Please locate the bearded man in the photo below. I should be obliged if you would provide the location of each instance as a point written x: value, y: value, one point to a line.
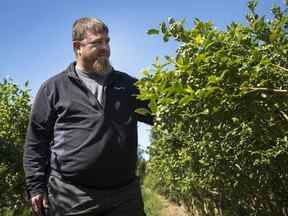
x: 81, y: 146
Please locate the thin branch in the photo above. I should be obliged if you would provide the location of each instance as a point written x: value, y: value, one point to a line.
x: 277, y: 91
x: 280, y: 67
x: 269, y: 90
x: 284, y: 115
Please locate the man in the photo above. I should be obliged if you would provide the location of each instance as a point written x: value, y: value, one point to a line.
x: 81, y: 143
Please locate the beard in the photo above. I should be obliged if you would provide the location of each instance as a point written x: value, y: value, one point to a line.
x: 102, y: 66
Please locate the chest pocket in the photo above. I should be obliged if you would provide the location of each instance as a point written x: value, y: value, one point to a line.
x: 121, y: 105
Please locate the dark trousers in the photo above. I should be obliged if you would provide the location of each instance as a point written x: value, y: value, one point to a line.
x: 66, y: 199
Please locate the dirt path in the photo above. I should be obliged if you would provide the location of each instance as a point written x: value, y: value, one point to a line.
x: 172, y: 209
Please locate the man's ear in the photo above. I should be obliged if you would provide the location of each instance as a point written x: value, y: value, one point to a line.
x: 76, y: 47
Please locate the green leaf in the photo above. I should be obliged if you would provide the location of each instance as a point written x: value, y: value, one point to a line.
x: 163, y: 27
x: 171, y: 20
x: 153, y: 32
x: 166, y: 37
x: 214, y: 79
x: 185, y: 100
x: 199, y: 39
x: 252, y: 4
x: 145, y: 72
x: 142, y: 111
x: 26, y: 83
x: 189, y: 90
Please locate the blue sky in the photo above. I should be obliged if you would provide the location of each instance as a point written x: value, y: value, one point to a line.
x: 36, y: 34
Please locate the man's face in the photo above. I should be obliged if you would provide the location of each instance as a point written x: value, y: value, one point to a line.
x: 95, y: 51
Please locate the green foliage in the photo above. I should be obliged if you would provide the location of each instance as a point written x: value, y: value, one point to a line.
x: 220, y: 138
x: 152, y: 203
x: 141, y: 166
x: 14, y: 113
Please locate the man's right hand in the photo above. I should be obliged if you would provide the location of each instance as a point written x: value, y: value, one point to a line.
x: 39, y: 202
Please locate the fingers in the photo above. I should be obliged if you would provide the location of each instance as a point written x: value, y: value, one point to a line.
x: 45, y: 201
x: 38, y: 202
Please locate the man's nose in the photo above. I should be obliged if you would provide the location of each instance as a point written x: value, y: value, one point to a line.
x: 104, y: 49
x: 103, y: 46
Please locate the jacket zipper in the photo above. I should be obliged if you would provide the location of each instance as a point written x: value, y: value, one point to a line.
x: 90, y: 94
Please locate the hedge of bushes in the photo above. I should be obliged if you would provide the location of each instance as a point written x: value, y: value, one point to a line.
x: 220, y: 143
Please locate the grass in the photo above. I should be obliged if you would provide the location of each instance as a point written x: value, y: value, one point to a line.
x: 152, y: 203
x: 9, y: 212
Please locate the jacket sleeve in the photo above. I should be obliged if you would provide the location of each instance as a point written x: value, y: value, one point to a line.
x: 36, y: 149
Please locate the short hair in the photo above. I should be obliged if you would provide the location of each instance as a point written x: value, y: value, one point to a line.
x: 84, y: 24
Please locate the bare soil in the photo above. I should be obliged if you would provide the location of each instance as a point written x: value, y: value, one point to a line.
x: 172, y: 209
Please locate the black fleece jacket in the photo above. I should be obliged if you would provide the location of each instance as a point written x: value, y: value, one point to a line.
x: 71, y: 134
